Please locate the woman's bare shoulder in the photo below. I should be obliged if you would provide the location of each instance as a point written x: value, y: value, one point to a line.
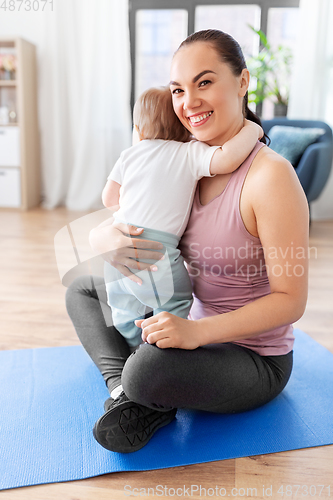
x: 268, y: 167
x: 272, y: 179
x: 267, y: 158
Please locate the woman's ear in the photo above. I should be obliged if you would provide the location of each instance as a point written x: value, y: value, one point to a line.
x: 244, y: 81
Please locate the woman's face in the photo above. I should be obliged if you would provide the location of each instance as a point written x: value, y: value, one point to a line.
x: 207, y: 97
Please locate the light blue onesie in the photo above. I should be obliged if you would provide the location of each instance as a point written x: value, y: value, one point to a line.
x: 167, y: 289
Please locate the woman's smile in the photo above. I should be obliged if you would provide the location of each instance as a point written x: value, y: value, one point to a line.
x: 199, y: 118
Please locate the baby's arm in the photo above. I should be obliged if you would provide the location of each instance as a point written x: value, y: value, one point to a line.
x: 110, y: 195
x: 232, y: 154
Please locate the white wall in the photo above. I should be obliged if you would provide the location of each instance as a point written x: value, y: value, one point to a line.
x: 322, y: 209
x: 25, y: 24
x: 28, y: 25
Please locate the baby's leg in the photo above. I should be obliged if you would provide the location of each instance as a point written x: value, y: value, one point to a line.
x: 169, y: 288
x: 125, y: 306
x: 181, y: 301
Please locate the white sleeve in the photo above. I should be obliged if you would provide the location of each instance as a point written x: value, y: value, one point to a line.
x: 116, y: 172
x: 200, y: 156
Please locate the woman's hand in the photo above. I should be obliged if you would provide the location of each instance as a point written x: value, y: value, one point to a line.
x: 167, y: 330
x: 123, y: 252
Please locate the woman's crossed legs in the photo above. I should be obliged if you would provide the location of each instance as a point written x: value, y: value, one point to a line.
x: 221, y: 378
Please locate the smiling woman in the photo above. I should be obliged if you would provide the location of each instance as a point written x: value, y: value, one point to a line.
x: 235, y: 350
x: 208, y: 104
x: 216, y: 96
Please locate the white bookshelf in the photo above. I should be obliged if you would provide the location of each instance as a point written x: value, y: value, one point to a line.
x: 19, y: 141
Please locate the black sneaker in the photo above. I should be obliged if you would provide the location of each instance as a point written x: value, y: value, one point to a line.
x: 108, y: 403
x: 127, y: 426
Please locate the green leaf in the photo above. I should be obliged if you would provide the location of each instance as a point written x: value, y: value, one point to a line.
x: 272, y: 69
x: 262, y: 37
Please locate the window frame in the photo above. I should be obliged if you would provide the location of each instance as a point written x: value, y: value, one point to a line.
x: 190, y: 6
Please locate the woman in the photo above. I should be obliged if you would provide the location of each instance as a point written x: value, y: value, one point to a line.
x: 246, y: 249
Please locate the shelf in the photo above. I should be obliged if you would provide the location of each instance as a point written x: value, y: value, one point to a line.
x: 8, y: 83
x: 20, y: 134
x: 7, y: 43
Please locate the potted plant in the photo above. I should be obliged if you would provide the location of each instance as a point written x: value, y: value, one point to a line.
x: 272, y: 70
x: 7, y: 66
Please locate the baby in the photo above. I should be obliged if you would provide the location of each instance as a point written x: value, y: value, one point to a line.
x: 154, y: 182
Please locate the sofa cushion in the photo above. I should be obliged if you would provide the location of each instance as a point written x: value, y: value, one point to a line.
x: 291, y: 142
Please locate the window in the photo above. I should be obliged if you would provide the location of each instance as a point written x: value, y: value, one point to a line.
x: 282, y: 29
x: 158, y: 26
x: 232, y: 19
x: 159, y: 33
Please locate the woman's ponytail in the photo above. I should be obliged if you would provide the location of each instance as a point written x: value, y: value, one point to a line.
x: 250, y: 115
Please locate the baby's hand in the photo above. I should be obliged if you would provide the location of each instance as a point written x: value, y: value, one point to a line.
x: 249, y: 123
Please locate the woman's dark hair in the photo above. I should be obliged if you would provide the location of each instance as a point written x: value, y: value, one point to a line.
x: 231, y: 53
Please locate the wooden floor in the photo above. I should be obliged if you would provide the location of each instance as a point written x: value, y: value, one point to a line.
x: 32, y: 314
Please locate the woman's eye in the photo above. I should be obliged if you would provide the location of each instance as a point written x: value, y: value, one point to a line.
x: 204, y: 83
x: 177, y: 91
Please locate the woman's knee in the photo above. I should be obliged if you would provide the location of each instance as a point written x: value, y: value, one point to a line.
x: 79, y: 288
x: 143, y: 376
x: 83, y: 285
x: 76, y: 286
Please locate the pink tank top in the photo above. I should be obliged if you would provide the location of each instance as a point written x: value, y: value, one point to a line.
x: 226, y: 263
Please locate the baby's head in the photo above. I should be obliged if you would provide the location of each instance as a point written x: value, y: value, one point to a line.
x: 154, y: 117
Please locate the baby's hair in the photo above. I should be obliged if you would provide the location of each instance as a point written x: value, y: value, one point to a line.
x: 154, y: 117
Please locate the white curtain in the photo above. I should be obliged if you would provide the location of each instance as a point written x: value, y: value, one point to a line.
x: 311, y: 94
x: 84, y: 102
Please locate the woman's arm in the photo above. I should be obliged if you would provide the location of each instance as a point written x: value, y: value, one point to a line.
x: 281, y: 211
x: 232, y: 154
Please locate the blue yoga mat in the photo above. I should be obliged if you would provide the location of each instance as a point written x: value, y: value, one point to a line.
x: 51, y: 398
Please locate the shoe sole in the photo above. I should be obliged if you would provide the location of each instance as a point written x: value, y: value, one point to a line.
x: 129, y: 426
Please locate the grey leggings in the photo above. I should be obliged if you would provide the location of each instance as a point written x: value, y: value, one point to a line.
x: 221, y: 378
